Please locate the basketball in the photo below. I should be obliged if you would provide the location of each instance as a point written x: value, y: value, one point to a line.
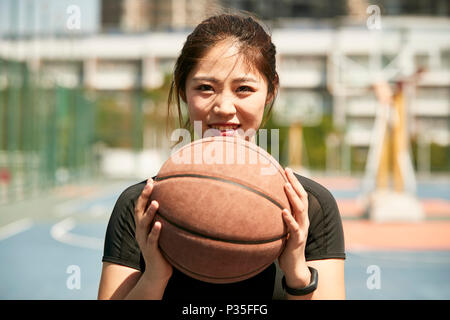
x: 220, y: 202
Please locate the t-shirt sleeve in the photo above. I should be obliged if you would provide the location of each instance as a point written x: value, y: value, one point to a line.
x: 325, y: 234
x: 120, y: 245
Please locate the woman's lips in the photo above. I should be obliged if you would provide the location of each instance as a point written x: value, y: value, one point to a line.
x: 225, y: 132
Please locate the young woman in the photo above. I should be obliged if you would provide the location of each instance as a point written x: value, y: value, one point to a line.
x: 226, y: 76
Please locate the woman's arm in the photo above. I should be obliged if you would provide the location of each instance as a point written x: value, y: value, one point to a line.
x: 331, y: 285
x: 293, y: 261
x: 117, y: 281
x: 121, y: 282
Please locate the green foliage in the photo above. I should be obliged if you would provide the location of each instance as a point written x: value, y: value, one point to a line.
x: 314, y: 139
x: 440, y: 159
x: 122, y: 117
x: 315, y: 143
x: 439, y: 156
x: 113, y: 121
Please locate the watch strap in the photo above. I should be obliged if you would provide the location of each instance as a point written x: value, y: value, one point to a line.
x: 306, y: 290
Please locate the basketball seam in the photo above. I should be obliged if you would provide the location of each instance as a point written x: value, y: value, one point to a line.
x: 246, y: 145
x: 172, y: 261
x: 197, y: 175
x: 245, y: 242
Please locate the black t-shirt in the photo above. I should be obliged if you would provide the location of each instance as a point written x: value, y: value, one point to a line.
x: 325, y: 241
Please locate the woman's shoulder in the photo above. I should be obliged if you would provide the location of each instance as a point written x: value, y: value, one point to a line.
x: 321, y: 200
x: 317, y: 190
x: 132, y: 192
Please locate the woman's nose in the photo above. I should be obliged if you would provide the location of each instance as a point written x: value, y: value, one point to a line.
x: 224, y: 106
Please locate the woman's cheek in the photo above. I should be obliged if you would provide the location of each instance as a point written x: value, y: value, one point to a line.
x: 254, y: 113
x: 199, y: 104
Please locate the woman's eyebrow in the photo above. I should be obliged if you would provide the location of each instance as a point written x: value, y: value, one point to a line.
x: 245, y: 79
x: 211, y: 79
x: 205, y: 79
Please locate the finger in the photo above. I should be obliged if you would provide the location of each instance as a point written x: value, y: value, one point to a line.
x: 293, y: 226
x: 294, y: 199
x: 299, y: 207
x: 296, y: 184
x: 151, y: 210
x: 144, y: 223
x: 297, y: 233
x: 142, y: 201
x: 153, y: 237
x: 290, y: 221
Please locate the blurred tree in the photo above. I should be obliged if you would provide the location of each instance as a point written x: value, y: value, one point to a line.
x: 315, y: 142
x: 113, y: 121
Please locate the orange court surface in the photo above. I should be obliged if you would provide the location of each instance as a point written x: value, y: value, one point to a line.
x: 433, y: 233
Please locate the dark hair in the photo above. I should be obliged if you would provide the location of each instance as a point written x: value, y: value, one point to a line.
x: 254, y: 43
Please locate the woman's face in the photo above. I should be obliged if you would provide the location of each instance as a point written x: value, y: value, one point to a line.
x: 225, y: 94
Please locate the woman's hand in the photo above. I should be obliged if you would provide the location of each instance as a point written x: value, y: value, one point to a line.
x: 292, y: 260
x: 157, y: 267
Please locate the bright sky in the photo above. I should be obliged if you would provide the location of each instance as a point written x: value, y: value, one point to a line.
x: 47, y: 16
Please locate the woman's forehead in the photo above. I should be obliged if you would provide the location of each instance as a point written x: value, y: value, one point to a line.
x: 225, y: 60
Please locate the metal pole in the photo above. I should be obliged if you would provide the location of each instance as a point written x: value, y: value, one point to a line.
x: 2, y: 108
x: 423, y: 154
x: 26, y: 129
x: 13, y: 124
x: 50, y: 140
x: 295, y: 145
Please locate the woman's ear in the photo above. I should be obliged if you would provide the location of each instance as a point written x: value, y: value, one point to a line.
x: 183, y: 96
x: 271, y: 95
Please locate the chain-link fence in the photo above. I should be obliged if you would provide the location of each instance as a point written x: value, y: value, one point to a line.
x: 46, y: 132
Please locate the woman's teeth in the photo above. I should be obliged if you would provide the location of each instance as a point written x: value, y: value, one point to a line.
x: 224, y: 128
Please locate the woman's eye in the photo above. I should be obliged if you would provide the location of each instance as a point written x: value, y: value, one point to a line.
x: 204, y: 87
x: 245, y: 89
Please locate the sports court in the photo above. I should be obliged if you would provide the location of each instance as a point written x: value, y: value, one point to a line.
x: 40, y: 238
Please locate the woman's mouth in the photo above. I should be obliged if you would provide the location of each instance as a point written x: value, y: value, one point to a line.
x: 226, y: 130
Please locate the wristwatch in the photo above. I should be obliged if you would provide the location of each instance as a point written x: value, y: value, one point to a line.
x: 306, y: 290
